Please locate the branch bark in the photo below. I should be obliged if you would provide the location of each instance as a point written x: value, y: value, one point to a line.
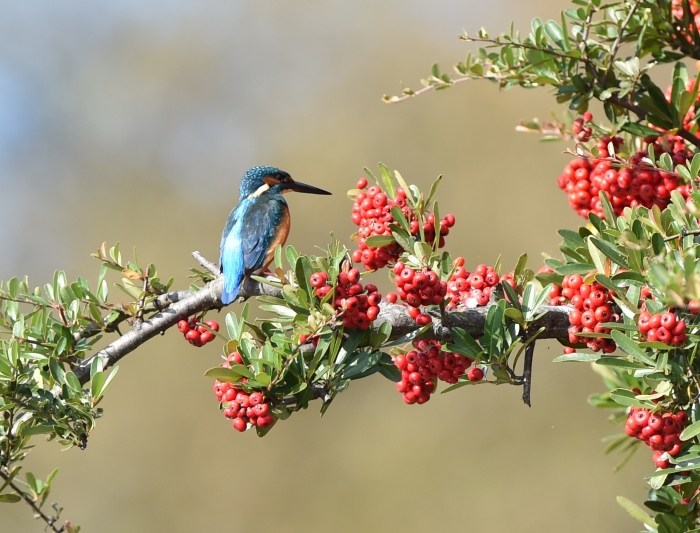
x: 185, y: 303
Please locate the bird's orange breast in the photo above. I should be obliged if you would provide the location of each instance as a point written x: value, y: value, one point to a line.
x: 280, y: 237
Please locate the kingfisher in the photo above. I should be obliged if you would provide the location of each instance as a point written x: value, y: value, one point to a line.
x: 256, y: 226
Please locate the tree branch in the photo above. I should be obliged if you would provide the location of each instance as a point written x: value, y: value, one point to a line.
x: 185, y: 303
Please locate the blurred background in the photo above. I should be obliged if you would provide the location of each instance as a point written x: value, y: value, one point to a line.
x: 133, y: 121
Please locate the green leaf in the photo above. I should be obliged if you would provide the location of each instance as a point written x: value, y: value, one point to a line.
x: 109, y: 379
x: 377, y: 241
x: 10, y: 498
x: 520, y: 265
x: 630, y: 347
x: 640, y: 130
x: 512, y: 296
x: 618, y: 362
x: 73, y: 381
x: 691, y: 431
x: 398, y: 217
x: 597, y: 256
x: 627, y: 398
x: 433, y: 190
x: 464, y: 344
x: 636, y: 512
x: 224, y: 374
x: 575, y: 268
x: 493, y: 329
x: 364, y: 364
x: 303, y: 271
x: 263, y: 379
x: 572, y: 238
x: 555, y: 33
x: 387, y: 180
x: 610, y: 217
x: 577, y: 357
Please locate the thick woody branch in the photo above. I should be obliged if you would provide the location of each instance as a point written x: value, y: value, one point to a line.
x: 185, y: 303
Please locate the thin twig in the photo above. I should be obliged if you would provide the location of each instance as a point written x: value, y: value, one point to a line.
x: 211, y: 267
x: 682, y: 234
x: 616, y: 45
x: 50, y: 520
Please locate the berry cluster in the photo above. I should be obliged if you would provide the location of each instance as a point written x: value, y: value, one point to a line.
x: 593, y: 306
x: 583, y: 133
x: 239, y: 406
x: 660, y: 431
x: 357, y: 304
x: 466, y: 289
x: 195, y: 334
x: 583, y: 178
x: 418, y: 288
x: 662, y: 327
x: 422, y: 367
x: 372, y: 213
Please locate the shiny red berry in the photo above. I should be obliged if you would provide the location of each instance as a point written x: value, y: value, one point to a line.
x: 475, y: 374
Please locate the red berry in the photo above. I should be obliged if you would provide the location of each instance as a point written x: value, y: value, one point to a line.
x: 694, y: 306
x: 423, y: 319
x: 668, y: 320
x: 261, y: 409
x: 239, y: 424
x: 265, y: 421
x: 318, y: 279
x: 255, y: 398
x: 213, y: 324
x: 362, y: 183
x: 475, y: 374
x: 183, y: 326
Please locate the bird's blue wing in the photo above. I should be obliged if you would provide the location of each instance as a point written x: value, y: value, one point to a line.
x: 231, y: 258
x: 260, y: 230
x: 251, y: 230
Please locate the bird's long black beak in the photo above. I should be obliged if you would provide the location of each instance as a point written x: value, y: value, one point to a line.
x: 303, y: 187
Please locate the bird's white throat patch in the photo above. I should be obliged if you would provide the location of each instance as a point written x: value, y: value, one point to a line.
x: 260, y: 190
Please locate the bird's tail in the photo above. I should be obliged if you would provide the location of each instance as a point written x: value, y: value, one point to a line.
x: 232, y: 286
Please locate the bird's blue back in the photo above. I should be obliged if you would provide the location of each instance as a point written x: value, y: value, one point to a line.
x: 252, y: 229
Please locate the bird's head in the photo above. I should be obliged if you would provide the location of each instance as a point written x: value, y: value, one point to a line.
x: 270, y: 180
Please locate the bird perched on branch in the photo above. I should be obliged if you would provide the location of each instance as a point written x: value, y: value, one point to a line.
x: 257, y: 225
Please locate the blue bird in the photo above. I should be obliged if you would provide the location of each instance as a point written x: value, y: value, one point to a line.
x: 256, y: 226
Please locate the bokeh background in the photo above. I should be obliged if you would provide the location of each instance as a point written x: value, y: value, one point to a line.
x: 133, y: 121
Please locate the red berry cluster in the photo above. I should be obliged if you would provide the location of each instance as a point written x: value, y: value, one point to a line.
x: 241, y: 407
x: 660, y: 431
x: 583, y: 178
x: 466, y: 289
x: 583, y: 133
x: 372, y: 213
x: 358, y: 304
x: 422, y: 367
x: 662, y: 327
x: 197, y: 335
x: 418, y: 288
x: 593, y: 305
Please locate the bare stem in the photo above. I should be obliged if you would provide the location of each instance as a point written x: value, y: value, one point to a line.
x: 50, y: 520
